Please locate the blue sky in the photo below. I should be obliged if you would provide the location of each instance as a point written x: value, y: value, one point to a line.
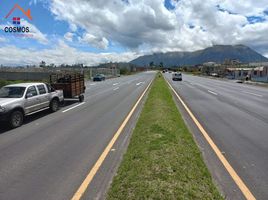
x: 98, y: 31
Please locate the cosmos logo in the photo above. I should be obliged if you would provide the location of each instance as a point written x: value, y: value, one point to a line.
x: 16, y: 21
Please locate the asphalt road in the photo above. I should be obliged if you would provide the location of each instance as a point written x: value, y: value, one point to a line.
x: 51, y: 154
x: 236, y: 118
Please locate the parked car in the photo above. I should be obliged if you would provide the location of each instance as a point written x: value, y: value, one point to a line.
x: 177, y: 76
x: 99, y: 77
x: 20, y: 100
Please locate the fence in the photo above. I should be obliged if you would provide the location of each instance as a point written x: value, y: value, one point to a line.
x: 37, y: 76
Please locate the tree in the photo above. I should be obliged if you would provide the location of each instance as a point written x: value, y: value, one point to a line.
x: 161, y: 65
x: 52, y: 65
x: 151, y: 63
x: 42, y: 64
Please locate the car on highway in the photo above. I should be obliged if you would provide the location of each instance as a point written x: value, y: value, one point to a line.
x: 20, y: 100
x: 214, y: 75
x: 99, y: 77
x: 177, y: 76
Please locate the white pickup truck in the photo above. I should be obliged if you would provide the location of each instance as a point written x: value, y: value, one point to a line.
x: 20, y: 100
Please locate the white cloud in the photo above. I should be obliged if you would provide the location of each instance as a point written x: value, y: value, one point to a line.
x: 35, y: 32
x: 98, y: 42
x: 146, y: 25
x: 69, y: 36
x: 73, y: 27
x: 60, y: 54
x: 3, y: 39
x: 247, y: 8
x: 131, y: 25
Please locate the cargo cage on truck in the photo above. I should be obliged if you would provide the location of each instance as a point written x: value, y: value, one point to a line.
x: 73, y: 85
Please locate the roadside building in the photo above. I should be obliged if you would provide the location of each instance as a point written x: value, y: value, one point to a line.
x: 238, y: 73
x: 211, y: 68
x: 260, y: 74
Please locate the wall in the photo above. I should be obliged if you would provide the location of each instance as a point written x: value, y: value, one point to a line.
x: 29, y: 75
x: 25, y: 76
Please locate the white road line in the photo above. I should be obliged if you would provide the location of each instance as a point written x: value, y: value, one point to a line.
x: 257, y: 95
x: 212, y: 92
x: 116, y: 88
x: 190, y: 86
x: 139, y: 83
x: 73, y: 107
x: 115, y: 83
x: 92, y: 84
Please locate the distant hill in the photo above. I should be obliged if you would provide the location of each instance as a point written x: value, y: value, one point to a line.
x: 217, y: 53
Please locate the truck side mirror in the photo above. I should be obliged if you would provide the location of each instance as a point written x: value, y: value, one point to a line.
x: 29, y: 95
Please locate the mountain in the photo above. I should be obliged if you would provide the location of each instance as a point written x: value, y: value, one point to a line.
x: 217, y: 53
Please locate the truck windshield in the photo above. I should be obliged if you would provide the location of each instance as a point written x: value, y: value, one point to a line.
x: 12, y: 92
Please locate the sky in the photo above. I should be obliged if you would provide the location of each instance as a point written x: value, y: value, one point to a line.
x: 98, y: 31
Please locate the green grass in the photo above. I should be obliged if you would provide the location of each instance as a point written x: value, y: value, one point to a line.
x: 162, y: 160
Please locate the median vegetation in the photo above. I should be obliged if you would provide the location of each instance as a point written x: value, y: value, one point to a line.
x: 162, y: 160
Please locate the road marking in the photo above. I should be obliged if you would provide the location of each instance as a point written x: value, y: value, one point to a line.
x: 239, y: 182
x: 257, y: 95
x: 115, y: 83
x: 116, y: 88
x: 190, y: 86
x: 212, y: 92
x: 83, y: 187
x: 80, y: 104
x: 92, y: 84
x: 139, y: 83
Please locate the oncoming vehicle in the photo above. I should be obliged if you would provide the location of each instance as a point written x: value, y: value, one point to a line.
x: 99, y: 77
x: 176, y: 76
x: 20, y: 100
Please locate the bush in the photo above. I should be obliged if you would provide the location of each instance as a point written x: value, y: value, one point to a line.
x: 3, y: 83
x: 124, y: 71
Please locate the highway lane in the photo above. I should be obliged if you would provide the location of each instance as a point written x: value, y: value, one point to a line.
x: 236, y: 118
x: 50, y: 155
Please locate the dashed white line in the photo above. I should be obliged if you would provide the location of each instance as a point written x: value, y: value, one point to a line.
x: 257, y: 95
x: 115, y: 83
x: 116, y: 88
x: 211, y: 92
x: 73, y: 107
x: 92, y: 84
x: 190, y: 86
x: 139, y: 83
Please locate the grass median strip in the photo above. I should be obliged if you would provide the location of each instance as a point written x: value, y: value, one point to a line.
x: 162, y: 160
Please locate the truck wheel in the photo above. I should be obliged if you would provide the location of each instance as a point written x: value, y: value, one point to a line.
x: 16, y: 119
x: 54, y: 105
x: 81, y: 98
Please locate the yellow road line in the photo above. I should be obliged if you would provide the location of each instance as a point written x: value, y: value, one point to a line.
x: 239, y: 182
x: 83, y: 187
